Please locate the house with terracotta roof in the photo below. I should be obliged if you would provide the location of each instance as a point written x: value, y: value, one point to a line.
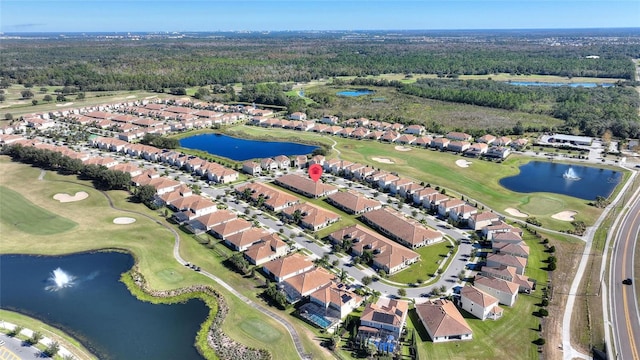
x: 286, y: 267
x: 497, y: 259
x: 337, y: 297
x: 479, y: 303
x: 363, y: 172
x: 312, y: 217
x: 516, y: 249
x: 329, y: 119
x: 509, y: 273
x: 498, y: 152
x: 398, y: 185
x: 243, y: 240
x: 406, y: 139
x: 269, y: 247
x: 407, y: 191
x: 106, y: 161
x: 283, y: 161
x: 461, y: 214
x: 477, y: 149
x: 502, y: 141
x: 300, y: 161
x: 423, y: 141
x: 445, y: 206
x: 224, y: 230
x: 486, y: 139
x: 205, y: 222
x: 405, y: 231
x: 132, y: 169
x: 268, y: 164
x: 416, y: 130
x: 306, y: 186
x: 519, y: 143
x: 478, y: 221
x: 389, y: 136
x: 385, y: 317
x: 422, y: 196
x: 458, y: 146
x: 272, y: 198
x: 353, y: 202
x: 251, y: 168
x: 505, y: 291
x: 458, y: 136
x: 298, y: 116
x: 387, y: 254
x: 301, y: 285
x: 443, y: 321
x: 384, y: 182
x: 440, y: 143
x: 374, y: 135
x: 502, y: 232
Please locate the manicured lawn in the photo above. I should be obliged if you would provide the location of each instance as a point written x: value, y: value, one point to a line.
x: 150, y: 243
x: 18, y: 213
x: 430, y: 258
x: 480, y: 181
x: 507, y: 338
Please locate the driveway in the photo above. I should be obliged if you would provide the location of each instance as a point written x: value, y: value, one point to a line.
x: 15, y: 349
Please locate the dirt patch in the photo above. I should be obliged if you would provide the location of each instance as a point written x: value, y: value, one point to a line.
x: 402, y: 148
x: 515, y: 212
x: 383, y: 160
x: 565, y: 215
x: 65, y: 104
x: 130, y: 97
x: 65, y: 198
x: 124, y: 220
x: 463, y: 163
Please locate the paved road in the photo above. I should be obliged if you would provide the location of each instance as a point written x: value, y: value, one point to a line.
x: 625, y: 316
x: 15, y: 349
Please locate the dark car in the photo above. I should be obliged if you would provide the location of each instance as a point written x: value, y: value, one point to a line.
x: 627, y: 281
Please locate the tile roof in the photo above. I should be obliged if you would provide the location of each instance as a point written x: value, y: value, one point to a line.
x: 288, y: 265
x: 442, y: 318
x: 400, y: 226
x: 478, y: 296
x: 386, y: 311
x: 310, y: 280
x: 354, y: 202
x: 497, y: 284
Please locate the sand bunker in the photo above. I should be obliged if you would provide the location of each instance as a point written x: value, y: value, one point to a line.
x: 65, y: 104
x: 565, y: 215
x: 130, y: 96
x: 515, y: 212
x: 463, y: 163
x: 124, y: 220
x: 403, y: 148
x: 382, y: 160
x: 64, y: 198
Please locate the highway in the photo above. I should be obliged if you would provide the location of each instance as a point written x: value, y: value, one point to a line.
x: 625, y: 318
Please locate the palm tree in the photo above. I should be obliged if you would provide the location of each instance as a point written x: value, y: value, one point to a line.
x: 343, y: 275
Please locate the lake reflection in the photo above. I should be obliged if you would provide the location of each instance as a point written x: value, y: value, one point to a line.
x: 585, y: 182
x: 97, y: 308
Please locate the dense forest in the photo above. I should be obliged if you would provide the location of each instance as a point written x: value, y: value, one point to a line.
x: 169, y: 63
x: 263, y: 62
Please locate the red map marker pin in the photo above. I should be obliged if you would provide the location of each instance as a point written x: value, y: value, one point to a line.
x: 315, y: 171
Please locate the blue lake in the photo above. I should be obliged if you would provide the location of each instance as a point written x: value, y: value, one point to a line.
x: 354, y: 93
x: 585, y: 182
x: 243, y: 149
x: 556, y: 84
x: 97, y: 309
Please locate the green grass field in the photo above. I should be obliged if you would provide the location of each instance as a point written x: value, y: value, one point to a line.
x: 479, y: 182
x: 430, y: 258
x: 23, y: 215
x: 151, y: 245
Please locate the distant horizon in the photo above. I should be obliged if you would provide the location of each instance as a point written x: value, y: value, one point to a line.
x: 103, y: 16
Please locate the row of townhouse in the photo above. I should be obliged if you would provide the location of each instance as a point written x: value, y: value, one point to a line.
x: 487, y: 145
x: 267, y: 164
x: 212, y: 171
x: 401, y: 228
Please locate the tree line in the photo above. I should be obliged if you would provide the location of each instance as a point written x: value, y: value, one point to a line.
x: 102, y: 177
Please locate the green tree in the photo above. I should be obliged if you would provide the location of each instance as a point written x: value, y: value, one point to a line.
x: 80, y: 96
x: 35, y: 337
x: 26, y: 94
x: 47, y: 98
x: 16, y: 331
x: 144, y: 194
x: 53, y: 349
x: 402, y: 292
x: 366, y: 280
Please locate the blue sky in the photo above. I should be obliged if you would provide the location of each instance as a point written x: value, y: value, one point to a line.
x: 215, y: 15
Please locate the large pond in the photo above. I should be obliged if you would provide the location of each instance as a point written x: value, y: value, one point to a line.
x: 243, y: 149
x: 583, y: 182
x: 556, y: 84
x: 97, y: 308
x: 354, y: 93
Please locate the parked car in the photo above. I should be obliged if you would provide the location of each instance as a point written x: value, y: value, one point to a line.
x: 627, y: 281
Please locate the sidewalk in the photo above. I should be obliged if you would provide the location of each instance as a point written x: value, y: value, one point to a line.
x: 63, y: 352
